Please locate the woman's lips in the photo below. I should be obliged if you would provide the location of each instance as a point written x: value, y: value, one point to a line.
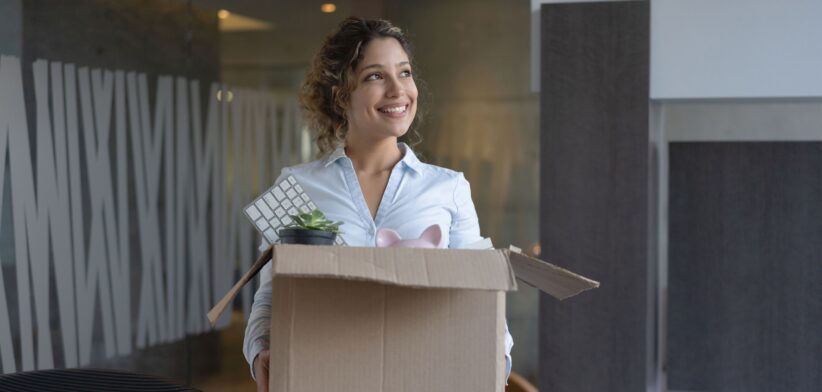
x: 394, y: 111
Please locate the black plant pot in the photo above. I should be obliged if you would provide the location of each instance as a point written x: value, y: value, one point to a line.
x: 306, y: 237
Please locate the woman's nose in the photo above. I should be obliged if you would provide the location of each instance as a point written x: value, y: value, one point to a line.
x: 395, y: 88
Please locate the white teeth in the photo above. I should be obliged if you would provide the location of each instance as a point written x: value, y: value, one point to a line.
x: 398, y: 109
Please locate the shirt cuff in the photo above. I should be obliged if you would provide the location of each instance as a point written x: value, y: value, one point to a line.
x: 507, y: 368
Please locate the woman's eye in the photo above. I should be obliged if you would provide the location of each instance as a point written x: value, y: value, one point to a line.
x: 376, y: 76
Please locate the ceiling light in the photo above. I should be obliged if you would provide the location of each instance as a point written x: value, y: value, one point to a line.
x: 228, y: 95
x: 328, y: 8
x: 239, y: 22
x: 223, y: 14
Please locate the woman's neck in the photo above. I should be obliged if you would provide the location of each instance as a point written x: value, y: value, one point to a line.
x: 373, y: 156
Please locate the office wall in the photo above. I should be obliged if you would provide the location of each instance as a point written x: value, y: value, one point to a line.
x: 731, y: 147
x: 735, y: 48
x: 736, y: 132
x: 741, y: 183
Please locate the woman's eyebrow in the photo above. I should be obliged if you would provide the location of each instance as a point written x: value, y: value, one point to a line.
x: 401, y: 63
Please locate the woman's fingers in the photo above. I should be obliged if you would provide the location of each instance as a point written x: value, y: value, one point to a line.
x: 261, y: 371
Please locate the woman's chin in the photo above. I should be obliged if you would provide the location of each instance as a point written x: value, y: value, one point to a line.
x: 398, y: 133
x: 385, y: 131
x: 394, y: 130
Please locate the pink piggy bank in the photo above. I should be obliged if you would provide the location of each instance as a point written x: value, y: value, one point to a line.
x: 430, y: 238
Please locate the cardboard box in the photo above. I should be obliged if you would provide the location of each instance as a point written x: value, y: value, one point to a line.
x: 394, y: 319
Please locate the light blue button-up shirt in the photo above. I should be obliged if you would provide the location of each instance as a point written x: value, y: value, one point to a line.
x: 417, y: 196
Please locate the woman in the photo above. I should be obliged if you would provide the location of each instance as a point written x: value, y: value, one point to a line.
x: 361, y: 96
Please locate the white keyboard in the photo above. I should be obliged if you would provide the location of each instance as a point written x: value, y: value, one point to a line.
x: 271, y: 210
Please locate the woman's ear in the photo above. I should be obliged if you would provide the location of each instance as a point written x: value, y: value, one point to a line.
x: 386, y: 238
x: 433, y: 235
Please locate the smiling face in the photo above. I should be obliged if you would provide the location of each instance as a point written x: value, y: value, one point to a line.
x: 384, y: 102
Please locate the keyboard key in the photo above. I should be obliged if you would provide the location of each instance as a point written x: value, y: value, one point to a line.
x: 269, y: 198
x: 253, y: 213
x: 264, y: 209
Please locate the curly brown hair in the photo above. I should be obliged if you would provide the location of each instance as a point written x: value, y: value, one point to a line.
x: 328, y: 84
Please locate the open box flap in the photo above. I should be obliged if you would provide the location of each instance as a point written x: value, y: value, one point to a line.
x: 558, y: 282
x: 218, y: 309
x: 424, y: 268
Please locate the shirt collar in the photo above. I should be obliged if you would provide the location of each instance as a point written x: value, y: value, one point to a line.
x: 409, y: 158
x: 338, y: 153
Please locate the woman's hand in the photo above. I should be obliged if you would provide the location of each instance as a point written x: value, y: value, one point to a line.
x: 261, y: 371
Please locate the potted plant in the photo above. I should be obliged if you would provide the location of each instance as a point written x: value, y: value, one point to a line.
x: 310, y: 228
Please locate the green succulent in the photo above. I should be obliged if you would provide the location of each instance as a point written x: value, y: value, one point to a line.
x: 314, y: 220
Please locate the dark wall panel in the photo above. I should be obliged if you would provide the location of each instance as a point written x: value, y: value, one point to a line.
x: 157, y: 37
x: 594, y: 193
x: 745, y: 267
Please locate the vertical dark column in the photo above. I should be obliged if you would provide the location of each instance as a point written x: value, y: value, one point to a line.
x: 594, y: 193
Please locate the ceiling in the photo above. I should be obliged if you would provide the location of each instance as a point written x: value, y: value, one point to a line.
x: 297, y: 29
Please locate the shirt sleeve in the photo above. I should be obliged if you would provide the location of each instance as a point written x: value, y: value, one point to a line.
x: 509, y: 343
x: 465, y: 228
x: 465, y: 231
x: 259, y: 321
x: 256, y: 337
